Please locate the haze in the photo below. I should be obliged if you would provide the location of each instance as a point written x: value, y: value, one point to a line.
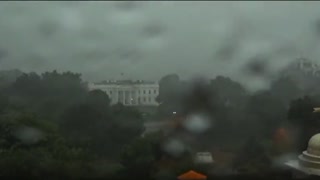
x: 147, y: 40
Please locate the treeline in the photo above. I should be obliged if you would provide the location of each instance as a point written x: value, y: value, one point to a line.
x: 52, y: 125
x: 256, y: 127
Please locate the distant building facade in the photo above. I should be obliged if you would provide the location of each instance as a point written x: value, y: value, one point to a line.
x: 130, y: 93
x: 304, y: 66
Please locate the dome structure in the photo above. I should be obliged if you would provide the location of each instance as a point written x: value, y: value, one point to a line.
x: 314, y: 145
x: 309, y: 161
x: 311, y: 157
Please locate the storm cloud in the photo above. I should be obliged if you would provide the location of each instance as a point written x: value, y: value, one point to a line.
x: 146, y: 40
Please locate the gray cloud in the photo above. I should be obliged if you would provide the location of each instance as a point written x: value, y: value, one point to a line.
x: 150, y: 39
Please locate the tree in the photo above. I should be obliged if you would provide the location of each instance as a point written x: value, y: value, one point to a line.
x: 169, y: 95
x: 168, y: 87
x: 140, y: 157
x: 230, y: 93
x: 199, y: 98
x: 47, y: 94
x: 144, y: 157
x: 4, y: 102
x: 82, y: 122
x: 265, y: 113
x: 98, y: 99
x: 301, y: 115
x: 230, y: 98
x: 285, y: 89
x: 33, y: 147
x: 127, y: 123
x: 102, y: 129
x: 253, y: 157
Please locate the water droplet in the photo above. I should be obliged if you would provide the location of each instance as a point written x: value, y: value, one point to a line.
x: 174, y: 147
x: 71, y: 19
x: 257, y: 66
x: 28, y: 135
x: 153, y: 30
x: 48, y: 28
x: 197, y: 123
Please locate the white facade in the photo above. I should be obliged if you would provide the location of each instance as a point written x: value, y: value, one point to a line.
x: 203, y: 158
x: 129, y: 93
x: 302, y: 65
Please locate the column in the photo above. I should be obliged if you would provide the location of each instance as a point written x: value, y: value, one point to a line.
x: 116, y: 96
x: 124, y: 96
x: 130, y: 97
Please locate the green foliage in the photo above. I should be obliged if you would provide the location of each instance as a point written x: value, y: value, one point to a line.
x: 301, y: 110
x: 47, y: 94
x: 285, y: 90
x: 138, y: 158
x: 252, y: 158
x: 168, y: 88
x: 79, y: 134
x: 4, y: 102
x: 47, y: 154
x: 170, y: 95
x: 258, y: 111
x: 301, y: 115
x: 97, y: 126
x: 127, y: 123
x: 138, y: 153
x: 229, y: 92
x: 99, y: 100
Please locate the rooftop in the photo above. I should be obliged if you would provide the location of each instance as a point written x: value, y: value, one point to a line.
x: 192, y: 175
x: 124, y: 82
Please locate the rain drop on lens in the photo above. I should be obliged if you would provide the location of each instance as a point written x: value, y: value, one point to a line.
x: 197, y: 123
x: 174, y: 147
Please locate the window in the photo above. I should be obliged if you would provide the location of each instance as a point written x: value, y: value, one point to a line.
x: 149, y: 98
x: 110, y: 92
x: 149, y: 91
x: 144, y: 91
x: 155, y: 91
x: 144, y: 99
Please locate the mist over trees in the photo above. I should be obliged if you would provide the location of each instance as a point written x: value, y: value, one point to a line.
x: 58, y: 109
x: 51, y: 124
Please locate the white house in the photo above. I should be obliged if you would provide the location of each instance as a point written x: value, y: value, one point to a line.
x: 131, y: 93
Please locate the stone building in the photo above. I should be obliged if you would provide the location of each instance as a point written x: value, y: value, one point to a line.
x: 308, y: 163
x: 130, y: 93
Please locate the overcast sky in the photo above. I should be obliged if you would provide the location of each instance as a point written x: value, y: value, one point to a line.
x: 146, y: 40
